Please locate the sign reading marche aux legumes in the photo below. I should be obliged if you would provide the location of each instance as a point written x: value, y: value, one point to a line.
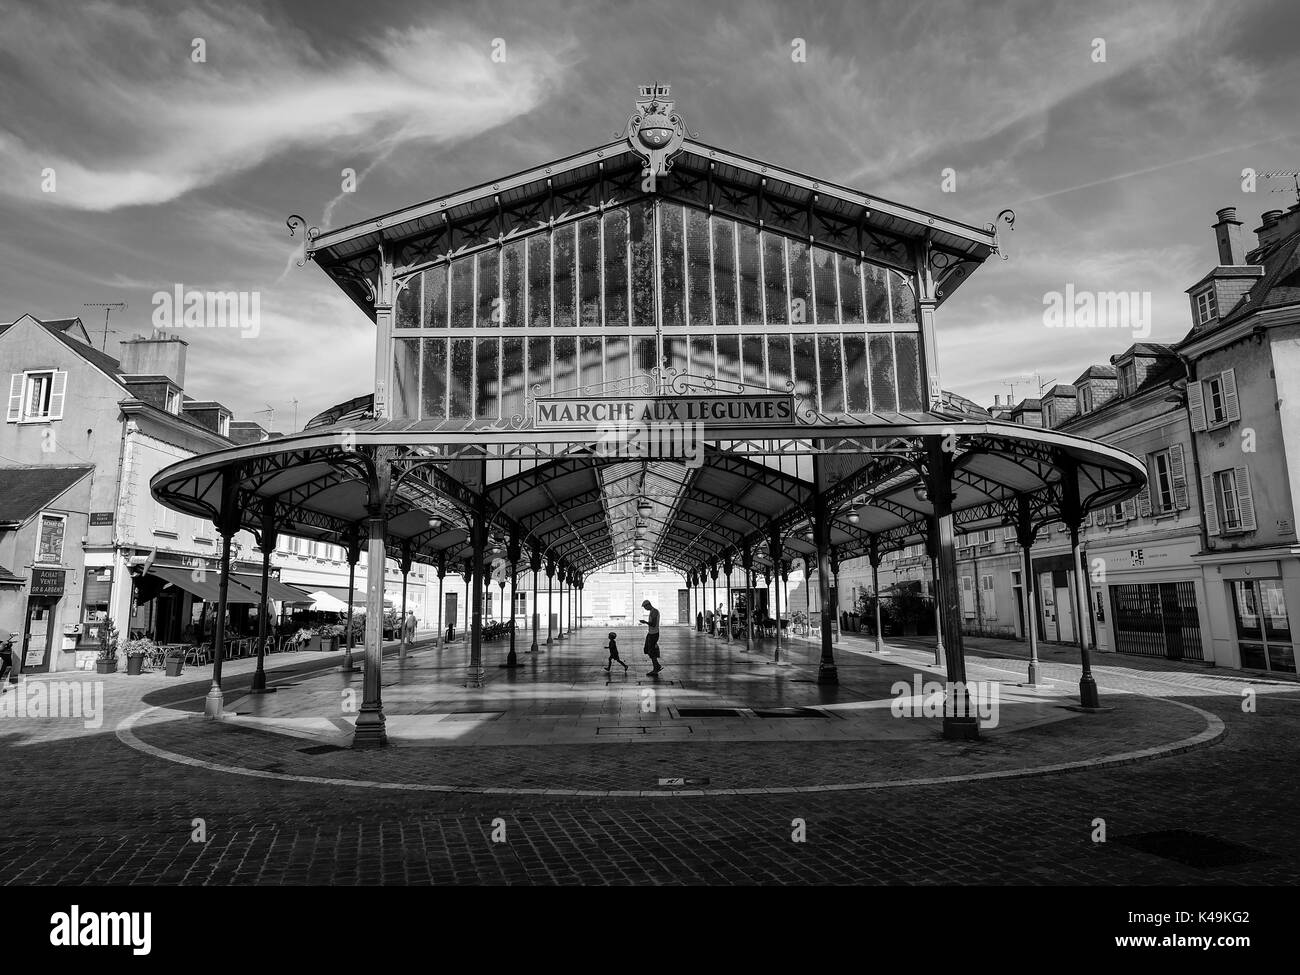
x: 558, y: 412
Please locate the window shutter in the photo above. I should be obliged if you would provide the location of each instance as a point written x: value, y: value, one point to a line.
x: 1178, y: 474
x: 1101, y: 516
x: 1144, y: 496
x: 1209, y: 504
x: 1196, y: 404
x: 987, y: 597
x: 1130, y: 509
x: 1245, y: 501
x: 15, y: 397
x: 967, y: 596
x: 57, y: 390
x: 1230, y: 404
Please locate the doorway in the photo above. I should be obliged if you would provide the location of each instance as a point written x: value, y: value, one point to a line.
x: 38, y: 636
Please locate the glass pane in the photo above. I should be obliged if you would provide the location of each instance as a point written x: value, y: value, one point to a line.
x: 729, y: 357
x: 512, y: 284
x: 433, y: 393
x: 488, y: 379
x: 805, y: 369
x: 724, y: 271
x: 909, y: 371
x: 512, y: 377
x: 435, y: 297
x: 698, y: 273
x: 407, y: 312
x: 902, y: 299
x: 675, y: 352
x: 591, y: 361
x: 884, y: 394
x: 566, y: 363
x: 672, y: 255
x: 462, y: 292
x: 751, y: 294
x: 1272, y: 601
x: 489, y: 288
x: 565, y: 269
x: 855, y: 368
x: 832, y: 373
x: 539, y: 280
x: 779, y: 375
x: 641, y: 230
x: 617, y: 363
x: 755, y: 372
x: 702, y: 355
x: 462, y: 372
x: 828, y: 309
x: 406, y: 378
x: 850, y: 272
x: 877, y: 294
x: 774, y: 289
x: 647, y: 354
x: 539, y: 365
x: 616, y: 268
x: 801, y: 297
x: 589, y: 271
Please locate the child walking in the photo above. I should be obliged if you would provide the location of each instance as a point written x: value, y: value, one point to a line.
x: 613, y: 653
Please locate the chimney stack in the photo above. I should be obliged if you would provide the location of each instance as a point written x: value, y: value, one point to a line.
x: 1276, y: 224
x: 158, y: 355
x: 1227, y: 232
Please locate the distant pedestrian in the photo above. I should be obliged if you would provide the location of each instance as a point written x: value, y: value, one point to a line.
x: 6, y: 658
x: 408, y: 633
x: 612, y: 646
x: 652, y: 637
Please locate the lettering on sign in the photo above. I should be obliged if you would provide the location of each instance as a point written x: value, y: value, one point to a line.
x: 566, y: 412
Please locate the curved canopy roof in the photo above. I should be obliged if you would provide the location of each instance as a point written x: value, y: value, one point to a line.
x: 556, y: 493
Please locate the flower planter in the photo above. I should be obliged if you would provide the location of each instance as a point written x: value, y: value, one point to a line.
x: 106, y: 666
x: 174, y: 666
x: 133, y: 665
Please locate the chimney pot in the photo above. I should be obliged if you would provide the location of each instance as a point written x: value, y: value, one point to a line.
x: 1227, y: 213
x: 1271, y: 217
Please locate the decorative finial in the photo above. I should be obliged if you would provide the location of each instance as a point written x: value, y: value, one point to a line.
x: 654, y: 131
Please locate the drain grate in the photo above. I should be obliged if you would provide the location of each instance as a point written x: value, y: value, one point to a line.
x: 789, y: 713
x: 710, y: 713
x: 322, y: 749
x: 1191, y: 848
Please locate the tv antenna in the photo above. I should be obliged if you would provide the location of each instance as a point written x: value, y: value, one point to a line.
x: 270, y: 418
x: 109, y: 307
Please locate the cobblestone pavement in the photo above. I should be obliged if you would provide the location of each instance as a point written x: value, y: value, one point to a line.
x: 82, y: 807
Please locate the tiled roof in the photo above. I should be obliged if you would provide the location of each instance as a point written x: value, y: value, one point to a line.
x: 1096, y: 372
x: 26, y: 490
x: 1280, y: 284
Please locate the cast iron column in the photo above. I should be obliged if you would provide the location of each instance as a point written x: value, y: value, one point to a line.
x: 774, y: 553
x: 958, y: 721
x: 1025, y: 533
x: 353, y: 544
x: 370, y: 731
x: 513, y: 552
x: 827, y: 673
x: 1072, y: 515
x: 478, y: 534
x: 550, y: 582
x: 535, y: 564
x: 442, y: 572
x: 405, y: 565
x: 727, y: 567
x: 266, y: 540
x: 873, y: 553
x: 227, y: 523
x: 835, y: 593
x: 747, y: 560
x: 932, y: 550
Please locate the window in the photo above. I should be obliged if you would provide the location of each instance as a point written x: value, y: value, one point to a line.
x: 173, y: 402
x: 1085, y: 399
x: 1116, y: 512
x: 36, y: 396
x: 1127, y: 378
x: 223, y: 424
x: 1207, y: 307
x: 1227, y: 495
x: 49, y: 542
x: 164, y: 520
x: 1162, y: 482
x: 1213, y: 402
x: 1263, y: 627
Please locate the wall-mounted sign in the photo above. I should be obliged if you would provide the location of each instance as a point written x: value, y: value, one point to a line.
x: 101, y: 518
x: 49, y: 546
x: 46, y: 582
x: 560, y: 412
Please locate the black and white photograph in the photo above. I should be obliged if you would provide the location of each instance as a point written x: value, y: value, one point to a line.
x: 649, y: 444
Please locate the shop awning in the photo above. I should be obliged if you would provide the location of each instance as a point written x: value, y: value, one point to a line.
x: 278, y: 591
x: 325, y: 602
x: 206, y: 587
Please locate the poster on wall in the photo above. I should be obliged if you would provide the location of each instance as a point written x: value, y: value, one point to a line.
x: 50, y: 547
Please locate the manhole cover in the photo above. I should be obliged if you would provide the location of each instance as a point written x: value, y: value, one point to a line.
x: 1194, y: 849
x: 322, y: 749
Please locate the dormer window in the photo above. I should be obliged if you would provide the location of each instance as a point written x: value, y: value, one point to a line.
x: 173, y: 402
x: 1085, y: 399
x: 223, y: 425
x: 1127, y: 378
x: 1207, y: 306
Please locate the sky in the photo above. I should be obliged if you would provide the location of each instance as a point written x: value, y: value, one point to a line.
x: 1114, y: 130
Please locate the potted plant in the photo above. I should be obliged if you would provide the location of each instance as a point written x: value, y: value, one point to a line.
x: 175, y: 661
x: 136, y: 651
x: 106, y: 660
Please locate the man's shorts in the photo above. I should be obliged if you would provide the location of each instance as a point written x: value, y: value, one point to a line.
x: 652, y: 646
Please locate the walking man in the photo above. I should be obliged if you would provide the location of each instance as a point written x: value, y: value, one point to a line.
x: 408, y: 633
x: 652, y: 637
